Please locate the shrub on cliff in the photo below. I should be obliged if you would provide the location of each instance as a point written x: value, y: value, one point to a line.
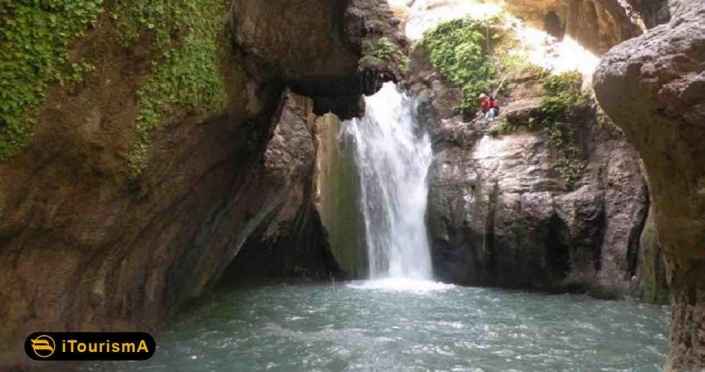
x: 563, y: 97
x: 461, y: 50
x: 35, y: 39
x: 381, y: 52
x: 40, y: 48
x: 190, y: 36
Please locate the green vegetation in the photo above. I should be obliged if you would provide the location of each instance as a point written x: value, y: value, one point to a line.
x: 461, y: 51
x: 503, y: 126
x: 384, y: 51
x: 187, y: 79
x: 563, y: 95
x: 473, y: 54
x: 35, y: 38
x: 163, y: 19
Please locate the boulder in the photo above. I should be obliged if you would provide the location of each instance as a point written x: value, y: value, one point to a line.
x: 332, y: 51
x: 653, y: 87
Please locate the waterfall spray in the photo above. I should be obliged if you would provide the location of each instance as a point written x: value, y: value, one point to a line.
x: 393, y: 156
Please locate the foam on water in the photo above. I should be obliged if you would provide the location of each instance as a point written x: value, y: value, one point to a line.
x: 401, y: 284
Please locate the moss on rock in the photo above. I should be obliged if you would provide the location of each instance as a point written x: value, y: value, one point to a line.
x: 383, y: 52
x: 653, y: 286
x: 35, y: 41
x: 38, y: 36
x: 188, y: 79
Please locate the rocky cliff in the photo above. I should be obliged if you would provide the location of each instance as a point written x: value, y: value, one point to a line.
x: 654, y: 88
x: 158, y: 143
x: 502, y: 214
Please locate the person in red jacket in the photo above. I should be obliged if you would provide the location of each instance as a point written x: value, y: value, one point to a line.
x: 489, y: 106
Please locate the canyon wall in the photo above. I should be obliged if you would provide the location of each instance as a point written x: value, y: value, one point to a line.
x: 338, y: 196
x: 176, y: 154
x: 172, y: 149
x: 653, y: 87
x: 595, y: 24
x: 500, y: 212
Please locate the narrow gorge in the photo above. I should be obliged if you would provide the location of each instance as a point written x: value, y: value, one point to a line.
x: 313, y: 185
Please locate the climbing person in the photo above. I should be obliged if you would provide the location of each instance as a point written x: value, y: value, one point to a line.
x: 489, y: 106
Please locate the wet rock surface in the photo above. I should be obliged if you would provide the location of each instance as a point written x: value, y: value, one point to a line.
x: 337, y: 196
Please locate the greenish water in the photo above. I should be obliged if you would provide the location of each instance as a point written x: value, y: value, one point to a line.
x: 391, y: 327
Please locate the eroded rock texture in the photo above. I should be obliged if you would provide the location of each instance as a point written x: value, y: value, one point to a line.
x: 323, y: 49
x: 85, y: 246
x: 654, y: 88
x: 652, y: 12
x: 653, y: 283
x: 284, y: 236
x: 500, y: 214
x: 83, y: 253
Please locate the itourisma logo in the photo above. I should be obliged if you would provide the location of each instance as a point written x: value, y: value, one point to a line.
x: 90, y: 346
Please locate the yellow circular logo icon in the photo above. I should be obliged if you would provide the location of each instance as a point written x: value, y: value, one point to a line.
x: 43, y: 346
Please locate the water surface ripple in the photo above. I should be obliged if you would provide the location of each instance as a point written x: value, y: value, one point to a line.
x: 367, y: 327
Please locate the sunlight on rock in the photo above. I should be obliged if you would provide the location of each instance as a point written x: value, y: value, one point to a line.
x: 544, y: 50
x: 535, y: 46
x: 423, y: 15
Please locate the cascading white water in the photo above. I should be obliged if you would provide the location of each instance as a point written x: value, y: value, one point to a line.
x: 393, y: 156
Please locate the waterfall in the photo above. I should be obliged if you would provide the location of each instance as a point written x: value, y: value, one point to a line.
x: 393, y: 156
